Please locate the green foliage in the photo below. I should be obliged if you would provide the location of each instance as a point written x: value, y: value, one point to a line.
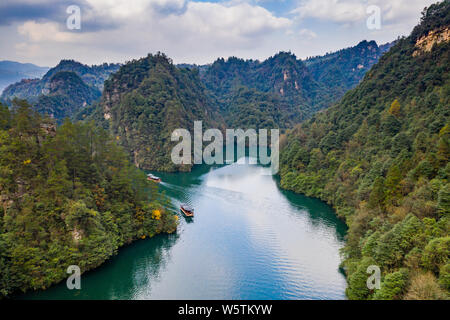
x: 384, y: 164
x: 283, y: 90
x: 68, y: 196
x: 344, y: 69
x: 67, y: 95
x: 357, y: 289
x: 64, y: 90
x: 444, y: 276
x: 376, y: 199
x: 393, y: 286
x: 436, y: 254
x: 444, y: 200
x: 145, y: 101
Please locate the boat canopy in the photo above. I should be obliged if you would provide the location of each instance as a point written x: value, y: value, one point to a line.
x: 187, y: 207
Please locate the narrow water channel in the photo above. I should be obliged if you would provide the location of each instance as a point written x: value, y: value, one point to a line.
x: 248, y: 240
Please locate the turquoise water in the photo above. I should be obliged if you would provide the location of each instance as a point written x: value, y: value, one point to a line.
x: 248, y: 240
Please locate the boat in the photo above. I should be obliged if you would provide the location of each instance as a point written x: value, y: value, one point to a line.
x: 153, y: 178
x: 187, y: 210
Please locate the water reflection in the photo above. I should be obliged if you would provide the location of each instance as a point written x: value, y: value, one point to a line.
x: 248, y: 240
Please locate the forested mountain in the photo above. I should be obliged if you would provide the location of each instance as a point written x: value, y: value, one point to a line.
x: 64, y: 89
x: 381, y: 158
x: 148, y: 98
x: 145, y: 101
x: 66, y: 95
x: 94, y: 75
x: 344, y: 69
x: 277, y: 92
x: 11, y: 72
x: 68, y: 196
x: 283, y: 90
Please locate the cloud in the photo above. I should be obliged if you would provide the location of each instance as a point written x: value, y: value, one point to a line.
x: 332, y: 10
x: 307, y: 34
x: 230, y: 21
x: 128, y: 29
x: 23, y: 10
x: 351, y: 11
x: 169, y: 6
x: 48, y: 31
x: 227, y: 21
x: 196, y: 31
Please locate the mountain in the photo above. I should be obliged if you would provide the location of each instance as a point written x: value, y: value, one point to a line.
x: 344, y: 69
x: 94, y: 75
x: 66, y: 94
x: 283, y: 90
x: 68, y: 196
x: 83, y: 85
x: 381, y: 158
x: 145, y: 101
x: 11, y: 72
x: 280, y: 88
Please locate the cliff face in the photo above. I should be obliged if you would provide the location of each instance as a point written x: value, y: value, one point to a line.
x: 145, y: 101
x: 434, y: 37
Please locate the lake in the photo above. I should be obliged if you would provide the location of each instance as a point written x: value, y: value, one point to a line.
x: 249, y: 239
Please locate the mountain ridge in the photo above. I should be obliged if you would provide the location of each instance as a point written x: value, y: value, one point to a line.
x: 380, y: 157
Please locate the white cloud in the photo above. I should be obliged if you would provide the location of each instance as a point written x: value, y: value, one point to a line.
x: 332, y: 10
x: 351, y: 11
x: 234, y: 21
x: 197, y: 32
x: 44, y: 32
x: 307, y: 34
x: 185, y: 30
x: 200, y: 19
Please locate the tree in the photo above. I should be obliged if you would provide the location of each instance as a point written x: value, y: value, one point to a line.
x: 392, y: 183
x: 395, y: 109
x: 443, y: 203
x: 436, y: 253
x: 377, y: 196
x: 392, y: 286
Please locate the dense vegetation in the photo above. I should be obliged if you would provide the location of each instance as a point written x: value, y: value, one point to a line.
x: 282, y: 90
x: 69, y: 196
x: 381, y: 158
x: 67, y: 95
x: 281, y: 86
x: 145, y: 101
x: 64, y: 90
x: 94, y: 76
x: 344, y: 69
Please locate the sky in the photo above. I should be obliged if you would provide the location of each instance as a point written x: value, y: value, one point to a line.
x: 195, y: 31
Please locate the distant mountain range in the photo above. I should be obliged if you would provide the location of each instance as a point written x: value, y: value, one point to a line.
x: 11, y: 72
x: 64, y: 89
x: 145, y: 99
x: 284, y: 90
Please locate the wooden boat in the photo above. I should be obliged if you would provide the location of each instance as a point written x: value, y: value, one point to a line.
x: 187, y: 210
x: 153, y: 178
